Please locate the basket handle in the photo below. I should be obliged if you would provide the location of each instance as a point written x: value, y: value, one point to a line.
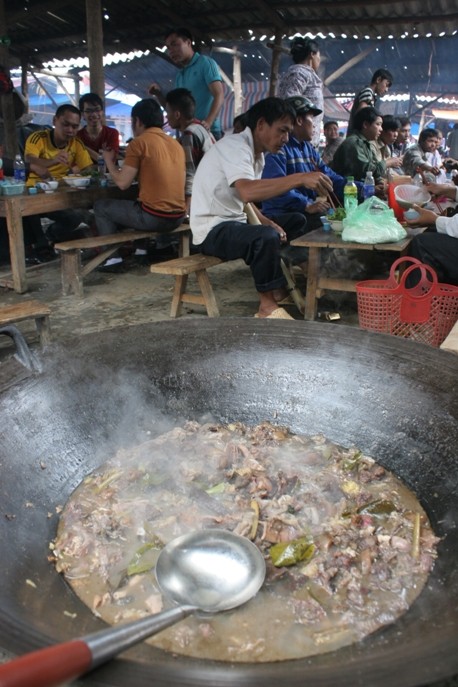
x: 424, y: 282
x: 399, y: 261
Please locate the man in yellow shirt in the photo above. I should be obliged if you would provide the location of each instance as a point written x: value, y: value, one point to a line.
x: 54, y: 153
x: 57, y: 152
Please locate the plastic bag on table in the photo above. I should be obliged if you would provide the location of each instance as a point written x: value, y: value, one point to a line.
x: 372, y: 222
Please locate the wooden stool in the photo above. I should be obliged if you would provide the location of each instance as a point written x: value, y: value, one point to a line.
x: 26, y: 310
x: 182, y: 267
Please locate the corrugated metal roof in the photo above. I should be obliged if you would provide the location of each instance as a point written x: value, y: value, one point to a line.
x: 418, y: 65
x: 404, y: 37
x: 43, y: 30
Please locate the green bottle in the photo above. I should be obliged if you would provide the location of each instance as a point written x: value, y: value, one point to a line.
x: 350, y: 196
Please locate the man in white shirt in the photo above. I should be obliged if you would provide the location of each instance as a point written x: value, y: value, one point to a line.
x: 438, y: 249
x: 229, y: 176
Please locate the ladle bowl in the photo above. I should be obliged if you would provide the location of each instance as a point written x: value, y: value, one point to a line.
x: 207, y: 570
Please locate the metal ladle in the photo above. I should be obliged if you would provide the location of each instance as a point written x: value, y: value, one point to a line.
x: 206, y: 570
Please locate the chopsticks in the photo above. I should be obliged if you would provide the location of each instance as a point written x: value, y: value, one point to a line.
x: 331, y: 196
x: 439, y: 207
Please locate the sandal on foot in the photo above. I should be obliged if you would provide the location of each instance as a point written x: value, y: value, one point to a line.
x: 277, y: 314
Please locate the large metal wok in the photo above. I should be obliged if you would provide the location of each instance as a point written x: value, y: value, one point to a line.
x: 394, y: 399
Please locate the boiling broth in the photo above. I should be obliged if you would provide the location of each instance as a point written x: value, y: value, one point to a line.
x: 348, y: 547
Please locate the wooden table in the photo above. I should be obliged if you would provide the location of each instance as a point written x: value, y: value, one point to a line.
x: 318, y: 239
x: 14, y: 208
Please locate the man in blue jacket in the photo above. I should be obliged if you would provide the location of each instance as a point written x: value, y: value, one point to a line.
x: 299, y: 155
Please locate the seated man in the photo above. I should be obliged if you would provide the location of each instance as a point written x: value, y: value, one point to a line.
x: 158, y: 162
x: 296, y: 156
x: 96, y: 135
x: 404, y: 139
x: 356, y: 155
x: 333, y: 141
x: 229, y: 176
x: 415, y: 159
x: 54, y: 153
x: 384, y: 145
x: 195, y: 139
x: 438, y: 249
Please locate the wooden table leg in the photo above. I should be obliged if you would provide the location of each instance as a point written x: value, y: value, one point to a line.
x: 313, y: 274
x: 16, y: 239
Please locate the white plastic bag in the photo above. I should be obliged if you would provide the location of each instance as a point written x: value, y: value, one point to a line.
x: 372, y: 222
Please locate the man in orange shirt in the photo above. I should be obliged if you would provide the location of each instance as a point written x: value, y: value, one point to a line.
x: 158, y: 162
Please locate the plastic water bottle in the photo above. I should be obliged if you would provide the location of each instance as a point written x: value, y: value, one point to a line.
x: 369, y: 186
x: 101, y: 166
x: 19, y: 169
x: 350, y: 196
x: 418, y: 180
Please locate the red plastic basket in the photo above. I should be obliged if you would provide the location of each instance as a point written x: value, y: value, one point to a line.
x: 425, y: 312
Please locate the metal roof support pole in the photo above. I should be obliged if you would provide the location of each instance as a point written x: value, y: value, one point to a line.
x: 237, y: 78
x: 276, y: 54
x: 6, y: 101
x: 94, y: 30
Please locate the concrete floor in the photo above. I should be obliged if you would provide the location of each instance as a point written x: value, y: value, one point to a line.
x: 137, y: 297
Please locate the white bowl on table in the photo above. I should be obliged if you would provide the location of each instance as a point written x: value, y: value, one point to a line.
x: 48, y: 186
x: 77, y: 182
x: 408, y: 195
x: 336, y: 225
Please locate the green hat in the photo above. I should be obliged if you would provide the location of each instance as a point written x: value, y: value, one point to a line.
x: 303, y: 105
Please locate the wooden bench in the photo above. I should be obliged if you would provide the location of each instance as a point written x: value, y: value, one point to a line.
x: 182, y: 267
x: 72, y: 270
x: 25, y: 311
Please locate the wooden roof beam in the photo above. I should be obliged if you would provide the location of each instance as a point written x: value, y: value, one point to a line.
x: 348, y: 65
x: 36, y: 10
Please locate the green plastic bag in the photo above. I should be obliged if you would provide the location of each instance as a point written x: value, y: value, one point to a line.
x: 372, y: 222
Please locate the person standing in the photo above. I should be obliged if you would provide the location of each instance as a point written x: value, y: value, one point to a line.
x: 302, y: 79
x: 96, y: 135
x: 199, y: 74
x: 157, y: 161
x: 228, y: 177
x: 381, y: 81
x: 196, y: 140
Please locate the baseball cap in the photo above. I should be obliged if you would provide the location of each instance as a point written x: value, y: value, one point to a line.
x: 303, y: 105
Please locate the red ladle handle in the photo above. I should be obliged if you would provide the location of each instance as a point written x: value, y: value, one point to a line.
x: 63, y: 662
x: 47, y: 667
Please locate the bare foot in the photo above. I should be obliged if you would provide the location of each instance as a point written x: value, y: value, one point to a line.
x: 280, y: 294
x: 265, y: 312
